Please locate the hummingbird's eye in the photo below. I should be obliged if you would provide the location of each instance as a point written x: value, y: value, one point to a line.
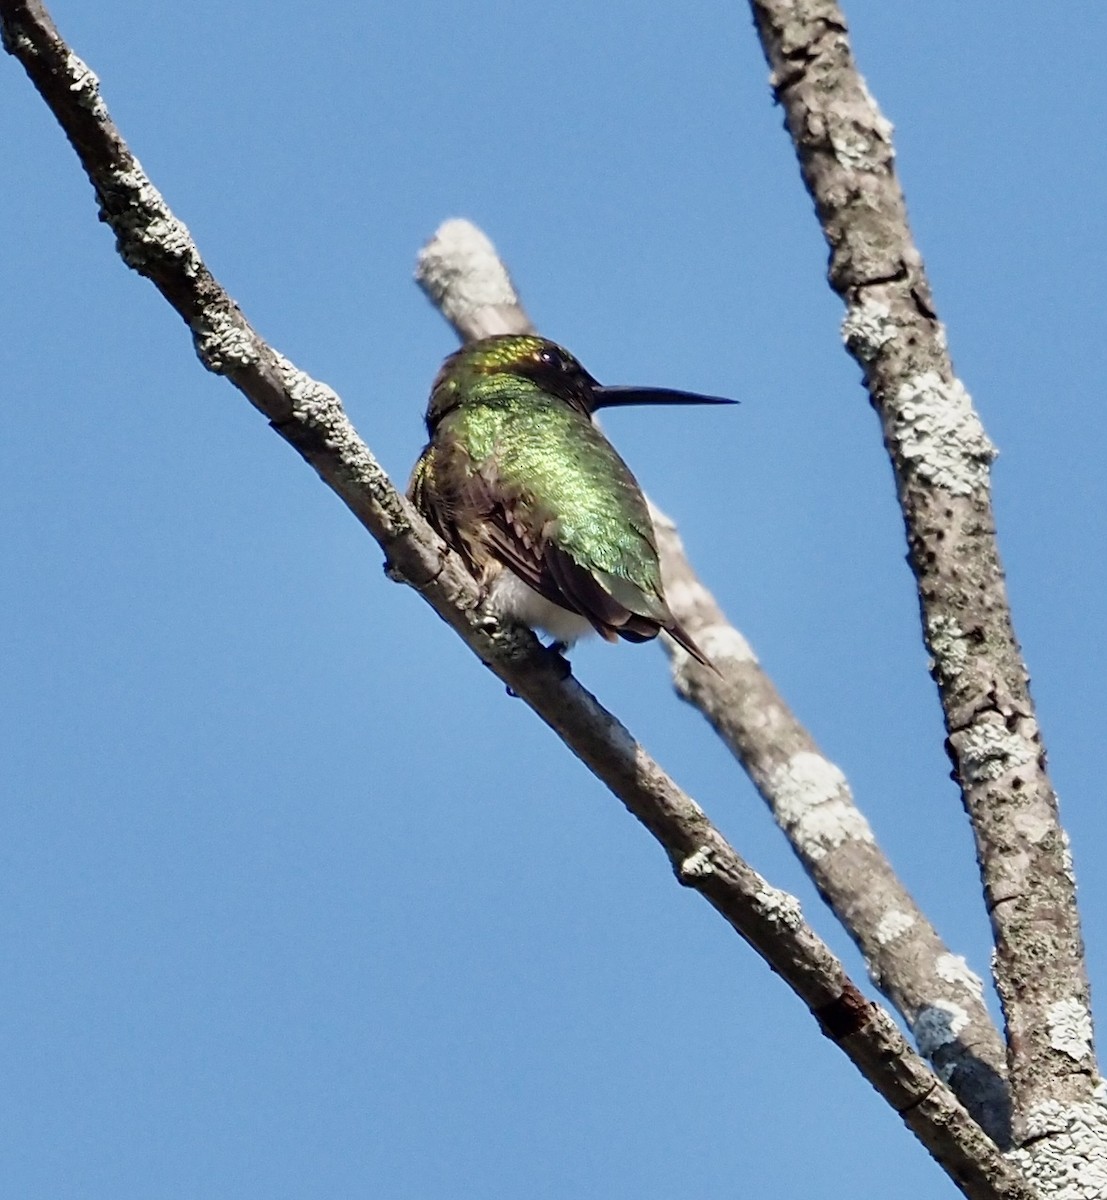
x: 552, y: 359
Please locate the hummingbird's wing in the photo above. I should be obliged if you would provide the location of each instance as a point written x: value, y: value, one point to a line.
x: 525, y: 540
x: 557, y: 577
x: 495, y: 525
x: 430, y: 490
x: 616, y: 607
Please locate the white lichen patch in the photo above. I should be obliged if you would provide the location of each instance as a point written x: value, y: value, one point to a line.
x: 311, y: 400
x: 697, y: 865
x: 461, y: 271
x: 988, y: 751
x: 719, y: 643
x: 316, y: 404
x: 828, y: 826
x: 663, y: 523
x: 224, y: 343
x: 1066, y: 1158
x: 954, y: 969
x: 855, y: 150
x: 1070, y: 1028
x: 883, y: 127
x: 893, y: 924
x: 948, y: 644
x: 857, y: 138
x: 938, y: 1025
x: 17, y: 42
x: 685, y: 596
x: 936, y: 431
x: 781, y: 907
x: 867, y: 328
x: 859, y: 134
x: 147, y: 225
x: 812, y: 801
x: 85, y: 86
x: 1066, y: 857
x: 804, y: 781
x: 724, y: 642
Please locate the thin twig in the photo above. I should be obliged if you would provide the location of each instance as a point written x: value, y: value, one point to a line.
x: 310, y: 417
x: 934, y: 990
x: 941, y: 458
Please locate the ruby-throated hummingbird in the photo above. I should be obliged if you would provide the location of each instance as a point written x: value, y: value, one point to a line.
x: 548, y: 518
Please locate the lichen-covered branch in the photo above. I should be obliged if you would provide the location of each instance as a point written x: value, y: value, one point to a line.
x: 941, y: 458
x: 939, y: 997
x: 310, y: 416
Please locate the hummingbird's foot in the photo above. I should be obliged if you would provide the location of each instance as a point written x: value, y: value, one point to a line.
x: 563, y: 667
x: 557, y: 651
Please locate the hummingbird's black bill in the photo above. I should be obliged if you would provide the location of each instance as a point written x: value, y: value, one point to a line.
x: 623, y: 397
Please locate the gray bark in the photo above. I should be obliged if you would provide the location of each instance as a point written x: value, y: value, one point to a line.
x: 941, y: 457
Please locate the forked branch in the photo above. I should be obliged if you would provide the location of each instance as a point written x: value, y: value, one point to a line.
x: 933, y: 989
x: 309, y: 416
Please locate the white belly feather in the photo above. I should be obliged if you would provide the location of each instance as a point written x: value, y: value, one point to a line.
x: 509, y: 596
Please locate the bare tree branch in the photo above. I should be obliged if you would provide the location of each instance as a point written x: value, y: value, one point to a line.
x: 309, y: 416
x: 934, y: 990
x: 941, y: 458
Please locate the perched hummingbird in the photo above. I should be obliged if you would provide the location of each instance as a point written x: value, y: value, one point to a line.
x: 548, y: 518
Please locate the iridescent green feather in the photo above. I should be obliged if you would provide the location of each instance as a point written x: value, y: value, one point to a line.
x: 563, y: 476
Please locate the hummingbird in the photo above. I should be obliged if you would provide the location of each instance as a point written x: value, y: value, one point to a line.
x: 549, y: 520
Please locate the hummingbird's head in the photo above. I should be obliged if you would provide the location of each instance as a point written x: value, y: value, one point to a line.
x: 521, y: 356
x: 543, y: 363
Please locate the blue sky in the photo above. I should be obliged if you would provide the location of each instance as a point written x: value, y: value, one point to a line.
x: 296, y: 901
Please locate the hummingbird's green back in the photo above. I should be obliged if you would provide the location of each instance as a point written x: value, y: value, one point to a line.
x: 564, y: 478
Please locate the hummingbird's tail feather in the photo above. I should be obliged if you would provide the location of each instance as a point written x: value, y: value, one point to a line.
x: 683, y: 638
x: 580, y: 590
x: 620, y: 615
